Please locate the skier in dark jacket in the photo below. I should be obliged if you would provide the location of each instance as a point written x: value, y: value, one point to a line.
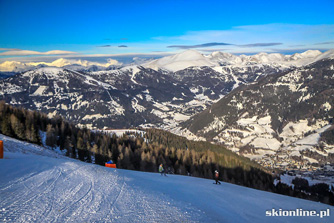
x: 217, y: 177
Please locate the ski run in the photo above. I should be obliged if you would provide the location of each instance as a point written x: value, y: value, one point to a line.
x: 41, y: 185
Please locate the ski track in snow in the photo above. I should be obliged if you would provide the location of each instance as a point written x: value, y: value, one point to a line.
x: 70, y: 192
x: 39, y: 185
x: 58, y: 189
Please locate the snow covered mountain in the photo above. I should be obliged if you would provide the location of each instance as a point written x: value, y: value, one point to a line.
x: 192, y: 58
x: 37, y: 184
x: 189, y: 58
x: 60, y: 91
x: 116, y: 98
x: 277, y: 120
x: 180, y: 61
x: 175, y: 89
x: 83, y: 65
x: 164, y: 93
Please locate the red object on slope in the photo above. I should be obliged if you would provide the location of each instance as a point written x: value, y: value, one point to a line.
x: 110, y: 165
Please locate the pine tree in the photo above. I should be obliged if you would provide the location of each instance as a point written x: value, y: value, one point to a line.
x: 74, y: 153
x: 51, y: 138
x: 17, y: 127
x: 68, y: 146
x: 6, y: 128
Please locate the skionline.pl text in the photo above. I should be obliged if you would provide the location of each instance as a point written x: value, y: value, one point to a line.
x: 297, y: 213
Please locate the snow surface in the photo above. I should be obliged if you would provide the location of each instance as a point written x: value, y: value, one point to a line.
x: 313, y: 139
x: 40, y: 185
x: 295, y: 130
x: 39, y: 91
x: 287, y: 179
x: 121, y: 132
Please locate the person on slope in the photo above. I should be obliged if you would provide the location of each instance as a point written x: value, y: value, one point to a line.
x: 162, y: 170
x: 217, y: 177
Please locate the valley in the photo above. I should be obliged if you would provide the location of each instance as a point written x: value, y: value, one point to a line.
x: 271, y: 108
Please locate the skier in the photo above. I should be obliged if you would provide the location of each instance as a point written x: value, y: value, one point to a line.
x: 162, y: 170
x: 217, y: 177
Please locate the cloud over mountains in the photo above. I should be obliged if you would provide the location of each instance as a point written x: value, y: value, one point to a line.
x: 18, y: 52
x: 198, y: 45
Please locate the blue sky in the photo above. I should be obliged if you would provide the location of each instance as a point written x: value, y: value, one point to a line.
x: 102, y: 28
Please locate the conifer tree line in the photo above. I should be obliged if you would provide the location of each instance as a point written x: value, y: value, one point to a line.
x: 136, y: 152
x: 226, y: 157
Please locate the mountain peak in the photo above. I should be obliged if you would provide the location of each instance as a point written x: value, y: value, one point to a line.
x: 50, y: 72
x: 188, y: 55
x: 219, y: 54
x: 180, y: 61
x: 311, y: 53
x: 326, y: 55
x: 306, y: 54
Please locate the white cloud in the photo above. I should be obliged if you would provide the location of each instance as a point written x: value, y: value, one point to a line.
x: 288, y: 34
x: 64, y: 62
x: 15, y: 52
x: 8, y: 66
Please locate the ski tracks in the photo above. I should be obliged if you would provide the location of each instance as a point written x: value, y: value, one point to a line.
x: 30, y: 199
x: 70, y: 191
x: 47, y: 196
x: 132, y: 203
x: 72, y: 198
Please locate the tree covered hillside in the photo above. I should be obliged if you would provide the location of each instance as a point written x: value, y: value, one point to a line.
x: 178, y: 154
x: 134, y: 152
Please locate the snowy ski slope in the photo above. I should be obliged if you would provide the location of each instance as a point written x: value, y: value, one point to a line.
x: 39, y: 185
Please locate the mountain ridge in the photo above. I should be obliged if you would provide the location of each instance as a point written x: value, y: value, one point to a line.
x: 178, y: 61
x: 137, y: 96
x: 270, y: 116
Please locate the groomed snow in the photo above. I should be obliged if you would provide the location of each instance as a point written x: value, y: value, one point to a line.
x: 39, y: 91
x: 38, y: 185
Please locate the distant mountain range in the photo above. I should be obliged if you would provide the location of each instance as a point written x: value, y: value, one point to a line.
x: 16, y: 66
x: 256, y: 105
x: 189, y: 58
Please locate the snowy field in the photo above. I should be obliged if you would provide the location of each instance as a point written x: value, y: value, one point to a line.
x: 121, y: 132
x: 39, y: 185
x: 287, y: 179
